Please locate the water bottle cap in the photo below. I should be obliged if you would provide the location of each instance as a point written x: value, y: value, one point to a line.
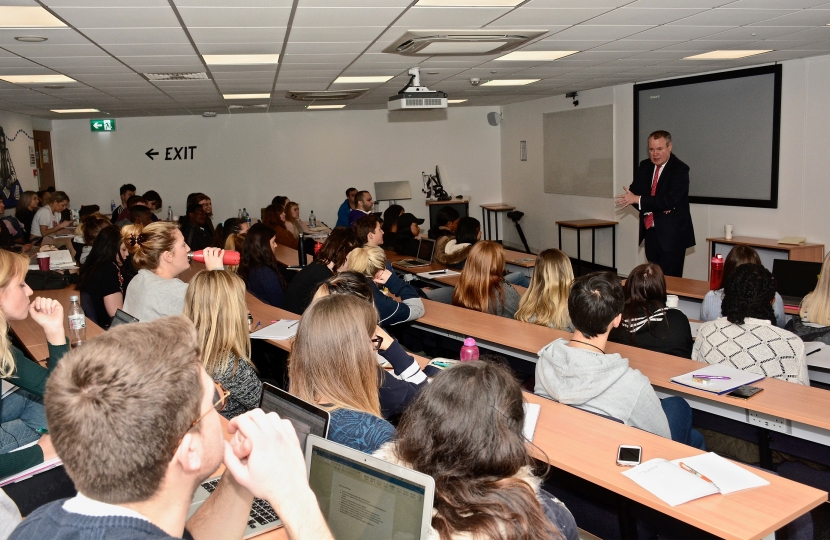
x: 73, y: 298
x: 469, y: 342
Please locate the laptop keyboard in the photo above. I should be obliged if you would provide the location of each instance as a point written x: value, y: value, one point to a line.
x: 261, y: 512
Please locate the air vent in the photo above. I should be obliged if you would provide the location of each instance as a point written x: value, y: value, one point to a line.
x: 325, y: 95
x: 460, y: 42
x: 176, y: 76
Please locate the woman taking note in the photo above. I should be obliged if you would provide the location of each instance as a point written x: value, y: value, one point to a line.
x: 160, y: 255
x: 47, y: 219
x: 546, y: 301
x: 481, y: 286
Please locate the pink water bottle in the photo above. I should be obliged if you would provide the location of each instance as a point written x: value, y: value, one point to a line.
x: 230, y: 258
x: 469, y: 351
x: 716, y: 274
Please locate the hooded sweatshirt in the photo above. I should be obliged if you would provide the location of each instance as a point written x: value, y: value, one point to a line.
x: 599, y: 383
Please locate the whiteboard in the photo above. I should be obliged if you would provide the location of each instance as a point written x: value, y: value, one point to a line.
x: 579, y: 152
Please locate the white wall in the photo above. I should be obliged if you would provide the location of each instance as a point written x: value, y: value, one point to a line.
x: 803, y: 178
x: 312, y: 157
x: 19, y: 148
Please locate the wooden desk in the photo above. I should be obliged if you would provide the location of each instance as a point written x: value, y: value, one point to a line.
x: 486, y: 210
x: 289, y: 256
x: 593, y: 225
x: 697, y: 289
x: 519, y: 258
x: 795, y: 252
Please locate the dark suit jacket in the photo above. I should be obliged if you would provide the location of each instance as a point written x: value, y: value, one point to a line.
x: 673, y: 230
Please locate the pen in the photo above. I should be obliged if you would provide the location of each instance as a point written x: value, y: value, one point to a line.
x: 292, y: 324
x: 438, y: 272
x: 694, y: 472
x: 813, y: 352
x: 258, y: 324
x: 42, y: 431
x: 711, y: 377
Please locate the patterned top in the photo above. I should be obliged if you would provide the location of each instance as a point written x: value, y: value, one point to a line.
x: 756, y: 346
x: 244, y: 386
x: 359, y: 430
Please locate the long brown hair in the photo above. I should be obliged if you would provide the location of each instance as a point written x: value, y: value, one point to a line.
x: 479, y: 285
x: 474, y: 453
x: 147, y: 244
x: 737, y: 256
x: 546, y: 301
x: 332, y: 360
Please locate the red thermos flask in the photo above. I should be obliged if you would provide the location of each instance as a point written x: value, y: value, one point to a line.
x: 231, y: 258
x: 716, y: 274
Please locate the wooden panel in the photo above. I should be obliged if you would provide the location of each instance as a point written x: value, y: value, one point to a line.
x: 586, y: 223
x: 498, y: 207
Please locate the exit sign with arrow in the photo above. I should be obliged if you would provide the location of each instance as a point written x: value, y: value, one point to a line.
x: 104, y: 124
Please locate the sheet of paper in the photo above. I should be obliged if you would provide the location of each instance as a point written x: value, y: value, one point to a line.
x: 723, y: 473
x: 8, y: 388
x: 282, y: 329
x: 31, y: 471
x: 736, y: 378
x: 668, y: 482
x: 532, y: 411
x: 438, y: 274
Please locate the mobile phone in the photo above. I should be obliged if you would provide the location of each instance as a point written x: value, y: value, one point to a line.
x: 744, y: 392
x: 629, y: 455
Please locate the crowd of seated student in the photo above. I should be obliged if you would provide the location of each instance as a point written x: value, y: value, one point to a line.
x: 195, y: 230
x: 345, y: 208
x: 371, y: 262
x: 259, y: 268
x: 580, y: 373
x: 390, y: 225
x: 215, y: 302
x: 406, y: 239
x: 230, y: 234
x: 126, y: 217
x: 125, y: 192
x: 369, y: 231
x: 274, y: 217
x: 646, y: 321
x: 27, y: 205
x: 484, y: 481
x: 546, y: 301
x: 363, y: 205
x: 813, y: 320
x: 328, y: 261
x: 87, y: 231
x: 747, y: 337
x: 105, y: 276
x: 452, y: 250
x: 710, y: 309
x: 153, y: 200
x: 47, y: 219
x: 293, y: 223
x: 446, y: 223
x: 159, y: 253
x: 482, y: 287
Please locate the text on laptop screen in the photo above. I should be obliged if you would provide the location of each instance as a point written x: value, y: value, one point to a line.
x: 362, y: 503
x: 425, y: 249
x: 304, y: 422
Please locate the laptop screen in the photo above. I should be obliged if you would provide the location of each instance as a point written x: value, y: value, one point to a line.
x: 305, y: 417
x: 425, y: 249
x: 362, y: 502
x: 795, y: 278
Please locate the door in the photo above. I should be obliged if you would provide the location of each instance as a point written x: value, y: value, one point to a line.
x: 43, y: 149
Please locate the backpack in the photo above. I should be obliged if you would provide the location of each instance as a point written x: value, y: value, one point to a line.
x: 43, y: 280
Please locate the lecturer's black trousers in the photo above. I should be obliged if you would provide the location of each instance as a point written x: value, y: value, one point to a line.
x: 671, y: 262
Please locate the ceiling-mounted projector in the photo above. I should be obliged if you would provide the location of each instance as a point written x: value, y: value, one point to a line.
x: 414, y: 96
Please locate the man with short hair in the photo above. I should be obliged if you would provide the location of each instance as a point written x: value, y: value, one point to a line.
x: 368, y: 231
x: 134, y: 417
x: 363, y: 205
x: 194, y: 230
x: 661, y: 192
x: 126, y: 191
x: 579, y: 372
x: 345, y: 208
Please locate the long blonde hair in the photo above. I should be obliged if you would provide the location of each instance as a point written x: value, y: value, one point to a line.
x: 332, y: 361
x: 816, y: 306
x: 12, y: 265
x: 546, y: 301
x: 479, y: 285
x: 215, y: 302
x: 367, y: 260
x: 298, y: 227
x: 146, y: 244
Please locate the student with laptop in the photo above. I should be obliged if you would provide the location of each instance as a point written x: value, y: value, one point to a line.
x: 371, y: 262
x: 813, y: 320
x: 710, y: 309
x: 215, y: 302
x: 465, y: 431
x: 146, y: 380
x: 481, y: 286
x: 581, y: 374
x: 333, y: 364
x: 406, y: 238
x: 546, y: 301
x: 746, y: 337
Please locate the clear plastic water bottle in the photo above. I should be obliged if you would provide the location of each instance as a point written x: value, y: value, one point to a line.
x: 112, y: 205
x: 169, y: 213
x: 76, y: 218
x: 247, y: 217
x: 239, y: 214
x: 77, y: 322
x: 312, y: 219
x: 469, y: 351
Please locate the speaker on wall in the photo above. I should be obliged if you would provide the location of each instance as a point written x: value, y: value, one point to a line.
x: 494, y: 118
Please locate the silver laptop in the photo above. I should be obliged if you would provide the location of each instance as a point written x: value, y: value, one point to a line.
x: 307, y: 419
x: 426, y: 248
x: 366, y: 498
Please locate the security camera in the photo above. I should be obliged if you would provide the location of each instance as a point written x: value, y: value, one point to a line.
x: 573, y: 95
x: 475, y: 81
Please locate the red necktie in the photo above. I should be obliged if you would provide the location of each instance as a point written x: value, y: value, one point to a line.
x: 650, y: 217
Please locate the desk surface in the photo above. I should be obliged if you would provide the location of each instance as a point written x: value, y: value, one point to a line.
x: 451, y: 201
x: 697, y: 289
x: 498, y: 207
x: 768, y: 243
x: 586, y: 223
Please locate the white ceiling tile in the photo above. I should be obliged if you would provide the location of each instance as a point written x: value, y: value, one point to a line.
x: 247, y: 75
x: 542, y: 18
x: 36, y: 70
x: 439, y: 17
x: 812, y: 34
x: 817, y: 46
x: 754, y: 33
x: 15, y: 62
x: 109, y: 71
x: 281, y: 88
x: 241, y: 48
x: 119, y: 17
x: 357, y: 3
x: 263, y: 68
x: 45, y: 49
x: 56, y: 36
x: 235, y: 17
x: 79, y: 62
x: 609, y: 4
x: 326, y: 48
x: 323, y: 67
x: 190, y: 59
x: 309, y: 73
x: 184, y: 68
x: 772, y: 4
x: 807, y: 17
x: 363, y: 34
x: 234, y: 3
x: 731, y: 17
x: 635, y: 45
x: 651, y: 16
x: 236, y: 35
x: 344, y: 16
x: 124, y: 36
x: 607, y: 33
x: 343, y: 59
x: 156, y: 49
x: 677, y: 32
x: 103, y: 3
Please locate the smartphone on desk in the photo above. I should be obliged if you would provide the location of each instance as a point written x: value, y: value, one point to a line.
x: 629, y: 455
x: 744, y: 392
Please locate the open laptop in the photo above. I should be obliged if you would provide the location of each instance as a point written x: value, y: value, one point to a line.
x: 307, y: 419
x: 365, y: 498
x: 795, y: 279
x: 426, y: 248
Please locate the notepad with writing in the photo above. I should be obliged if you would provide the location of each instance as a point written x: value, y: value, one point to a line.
x: 282, y: 329
x: 736, y: 378
x: 668, y: 481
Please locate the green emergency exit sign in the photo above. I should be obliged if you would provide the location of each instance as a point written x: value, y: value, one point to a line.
x: 105, y: 124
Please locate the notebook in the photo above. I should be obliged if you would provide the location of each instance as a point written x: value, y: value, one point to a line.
x: 795, y: 279
x: 280, y: 330
x: 736, y: 378
x: 47, y: 465
x: 365, y: 498
x: 426, y: 248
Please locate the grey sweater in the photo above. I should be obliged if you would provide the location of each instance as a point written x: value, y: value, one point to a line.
x: 150, y: 297
x: 600, y: 383
x: 511, y: 302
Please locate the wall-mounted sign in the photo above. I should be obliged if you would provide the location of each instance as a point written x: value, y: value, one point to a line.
x: 104, y: 124
x: 172, y: 153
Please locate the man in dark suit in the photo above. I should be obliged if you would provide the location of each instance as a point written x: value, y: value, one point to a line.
x: 660, y: 191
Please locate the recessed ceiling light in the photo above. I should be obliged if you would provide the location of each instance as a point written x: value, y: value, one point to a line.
x: 726, y: 55
x: 70, y: 111
x: 27, y: 17
x: 359, y: 80
x: 470, y: 3
x: 453, y: 101
x: 36, y: 79
x: 531, y: 56
x: 31, y: 39
x: 246, y: 96
x: 240, y: 59
x: 325, y: 106
x: 510, y: 82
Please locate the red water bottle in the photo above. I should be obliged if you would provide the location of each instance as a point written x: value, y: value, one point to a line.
x: 469, y: 351
x: 231, y: 258
x: 716, y: 273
